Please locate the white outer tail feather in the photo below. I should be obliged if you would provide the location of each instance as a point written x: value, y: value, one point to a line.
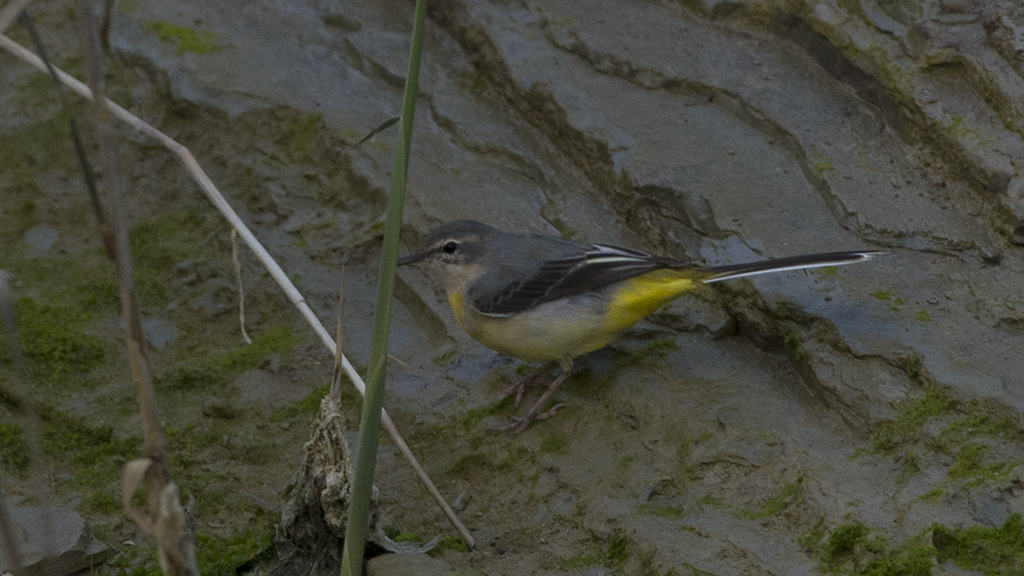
x: 848, y: 258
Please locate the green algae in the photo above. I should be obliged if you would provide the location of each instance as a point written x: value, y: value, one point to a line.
x: 91, y: 457
x: 970, y: 464
x: 821, y: 167
x: 843, y: 542
x: 27, y: 152
x: 852, y: 549
x: 912, y: 366
x: 186, y: 39
x: 309, y: 405
x: 398, y: 536
x: 14, y: 453
x: 933, y: 495
x: 449, y: 542
x: 299, y: 140
x: 158, y: 244
x: 611, y: 552
x: 555, y: 444
x: 911, y: 466
x: 911, y: 416
x: 215, y: 368
x: 53, y: 341
x: 467, y: 421
x: 790, y: 495
x: 991, y: 550
x: 216, y: 555
x: 225, y: 556
x: 469, y: 462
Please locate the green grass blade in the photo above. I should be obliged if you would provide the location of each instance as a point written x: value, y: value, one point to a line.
x: 369, y: 428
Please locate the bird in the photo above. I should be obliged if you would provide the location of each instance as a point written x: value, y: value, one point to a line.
x: 548, y: 299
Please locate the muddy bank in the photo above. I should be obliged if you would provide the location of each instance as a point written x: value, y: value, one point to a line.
x: 850, y: 419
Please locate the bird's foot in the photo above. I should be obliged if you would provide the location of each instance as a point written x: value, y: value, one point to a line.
x: 518, y: 388
x: 520, y: 423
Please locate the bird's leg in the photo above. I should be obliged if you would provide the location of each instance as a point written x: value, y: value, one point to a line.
x: 519, y: 387
x: 520, y: 423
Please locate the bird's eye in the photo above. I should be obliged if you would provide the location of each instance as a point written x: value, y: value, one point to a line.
x: 450, y: 246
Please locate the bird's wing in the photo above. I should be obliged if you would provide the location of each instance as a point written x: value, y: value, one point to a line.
x: 596, y: 267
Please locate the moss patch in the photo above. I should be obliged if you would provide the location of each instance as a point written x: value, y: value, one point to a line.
x: 448, y: 543
x: 185, y: 39
x: 53, y: 341
x: 224, y: 556
x: 158, y: 244
x: 469, y: 462
x: 554, y: 444
x: 989, y: 550
x: 970, y: 464
x: 851, y: 549
x: 300, y: 138
x: 216, y: 555
x: 789, y: 495
x: 93, y: 455
x: 911, y: 415
x: 308, y: 405
x: 14, y: 455
x: 610, y: 552
x: 214, y: 369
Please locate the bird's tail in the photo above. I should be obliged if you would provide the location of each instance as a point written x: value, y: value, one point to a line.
x: 719, y: 273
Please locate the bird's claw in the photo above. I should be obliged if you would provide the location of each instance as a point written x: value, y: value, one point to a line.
x: 520, y: 423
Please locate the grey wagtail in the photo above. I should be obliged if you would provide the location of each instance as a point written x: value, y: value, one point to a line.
x: 541, y: 298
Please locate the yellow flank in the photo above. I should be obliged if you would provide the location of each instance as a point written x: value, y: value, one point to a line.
x: 456, y: 301
x: 575, y: 325
x: 639, y: 297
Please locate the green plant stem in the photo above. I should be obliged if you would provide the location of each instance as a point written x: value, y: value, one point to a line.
x: 369, y: 428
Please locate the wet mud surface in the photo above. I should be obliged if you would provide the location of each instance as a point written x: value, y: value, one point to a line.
x: 854, y: 420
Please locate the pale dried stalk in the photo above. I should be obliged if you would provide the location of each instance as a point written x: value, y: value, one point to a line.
x: 335, y: 390
x: 241, y: 288
x: 165, y: 518
x: 219, y: 202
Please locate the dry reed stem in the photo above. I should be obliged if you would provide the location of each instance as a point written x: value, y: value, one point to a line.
x: 241, y: 289
x: 335, y: 390
x: 222, y: 205
x: 165, y: 518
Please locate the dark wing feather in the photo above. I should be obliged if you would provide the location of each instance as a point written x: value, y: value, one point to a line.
x: 562, y: 277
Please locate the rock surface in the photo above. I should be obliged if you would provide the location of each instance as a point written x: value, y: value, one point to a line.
x: 780, y: 425
x: 53, y: 542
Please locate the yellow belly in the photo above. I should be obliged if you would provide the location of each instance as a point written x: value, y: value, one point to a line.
x: 575, y: 325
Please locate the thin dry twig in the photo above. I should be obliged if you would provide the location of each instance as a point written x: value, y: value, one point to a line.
x: 241, y: 289
x: 335, y: 391
x: 276, y: 272
x: 165, y: 518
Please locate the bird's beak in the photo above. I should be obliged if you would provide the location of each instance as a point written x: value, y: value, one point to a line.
x: 410, y: 258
